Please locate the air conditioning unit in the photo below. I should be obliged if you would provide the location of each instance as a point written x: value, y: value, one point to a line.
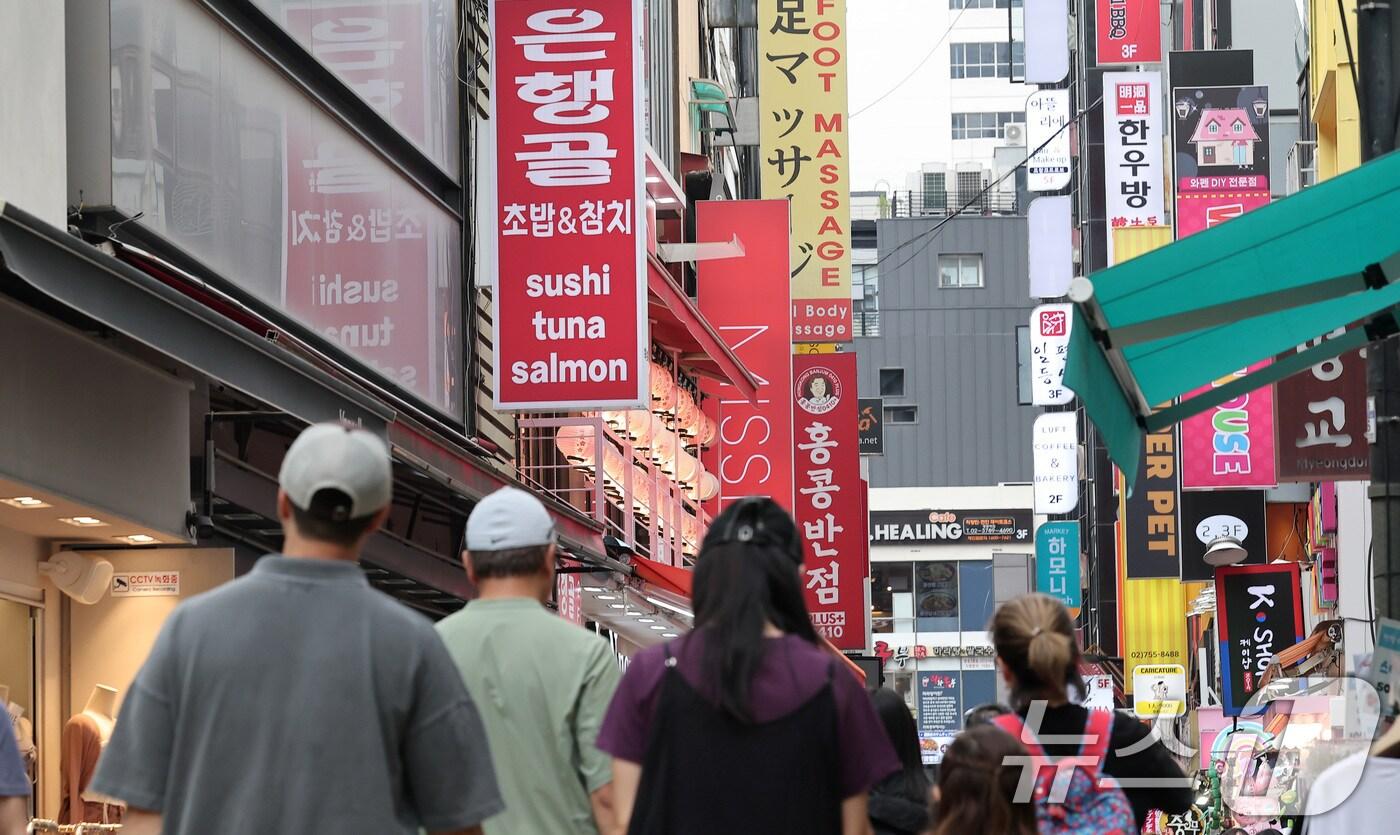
x: 1014, y: 133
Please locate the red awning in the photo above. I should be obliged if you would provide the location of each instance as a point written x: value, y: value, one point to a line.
x: 678, y: 581
x: 677, y: 324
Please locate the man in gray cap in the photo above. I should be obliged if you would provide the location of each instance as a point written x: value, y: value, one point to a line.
x: 542, y: 683
x: 298, y: 698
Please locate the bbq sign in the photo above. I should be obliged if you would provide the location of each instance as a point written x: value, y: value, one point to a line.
x: 949, y: 527
x: 1260, y: 612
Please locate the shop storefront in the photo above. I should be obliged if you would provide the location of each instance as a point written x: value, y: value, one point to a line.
x: 939, y: 566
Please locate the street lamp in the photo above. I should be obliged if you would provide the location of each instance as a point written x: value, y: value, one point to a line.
x: 1225, y: 550
x: 1183, y: 108
x: 1260, y: 105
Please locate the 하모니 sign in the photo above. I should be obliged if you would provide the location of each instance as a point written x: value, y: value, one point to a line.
x: 1057, y: 563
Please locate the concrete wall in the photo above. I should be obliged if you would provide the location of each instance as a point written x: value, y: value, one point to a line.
x: 33, y: 133
x: 958, y: 351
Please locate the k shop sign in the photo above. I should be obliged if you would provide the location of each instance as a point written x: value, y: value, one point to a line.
x: 569, y: 300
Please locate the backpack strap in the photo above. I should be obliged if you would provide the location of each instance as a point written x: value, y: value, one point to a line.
x: 1014, y: 725
x: 1097, y: 731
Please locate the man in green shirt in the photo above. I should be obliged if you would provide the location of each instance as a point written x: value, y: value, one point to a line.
x: 541, y: 684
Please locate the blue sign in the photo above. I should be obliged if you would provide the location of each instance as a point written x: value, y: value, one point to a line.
x: 1057, y: 562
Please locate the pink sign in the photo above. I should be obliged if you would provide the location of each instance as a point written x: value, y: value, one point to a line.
x: 1232, y: 444
x: 1205, y: 210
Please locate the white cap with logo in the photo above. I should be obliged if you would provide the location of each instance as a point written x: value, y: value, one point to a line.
x: 509, y: 518
x: 334, y: 456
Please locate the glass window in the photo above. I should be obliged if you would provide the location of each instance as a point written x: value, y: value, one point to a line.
x: 901, y: 414
x: 228, y: 161
x: 865, y: 299
x: 936, y: 587
x: 983, y: 125
x: 891, y: 382
x: 975, y: 595
x: 989, y: 59
x: 960, y: 271
x: 891, y: 596
x: 979, y: 688
x: 400, y: 56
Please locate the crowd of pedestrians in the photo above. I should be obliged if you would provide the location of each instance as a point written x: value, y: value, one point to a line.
x: 299, y: 700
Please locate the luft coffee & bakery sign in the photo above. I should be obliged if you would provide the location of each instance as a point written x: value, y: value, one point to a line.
x: 949, y: 527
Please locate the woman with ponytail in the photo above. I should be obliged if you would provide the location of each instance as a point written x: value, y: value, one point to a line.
x: 746, y: 724
x: 1039, y: 659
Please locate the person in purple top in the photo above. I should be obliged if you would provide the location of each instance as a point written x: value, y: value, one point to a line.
x: 747, y: 724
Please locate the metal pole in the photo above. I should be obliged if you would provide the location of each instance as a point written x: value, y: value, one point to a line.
x: 1375, y: 54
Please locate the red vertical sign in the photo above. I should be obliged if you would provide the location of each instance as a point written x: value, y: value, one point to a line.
x: 1130, y: 32
x: 570, y: 294
x: 358, y: 250
x: 749, y: 300
x: 830, y: 495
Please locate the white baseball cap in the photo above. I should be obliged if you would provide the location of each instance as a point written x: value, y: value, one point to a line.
x: 509, y: 518
x: 334, y: 456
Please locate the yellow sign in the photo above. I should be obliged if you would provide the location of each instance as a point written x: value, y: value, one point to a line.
x: 805, y: 155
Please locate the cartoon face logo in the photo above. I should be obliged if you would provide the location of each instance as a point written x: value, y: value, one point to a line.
x: 818, y: 390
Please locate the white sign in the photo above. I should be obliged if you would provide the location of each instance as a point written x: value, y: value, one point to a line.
x: 1047, y: 48
x: 1132, y: 151
x: 146, y: 584
x: 1159, y: 690
x: 1055, y: 452
x: 1385, y: 666
x: 1051, y: 246
x: 1050, y: 325
x: 1099, y: 694
x: 1047, y: 120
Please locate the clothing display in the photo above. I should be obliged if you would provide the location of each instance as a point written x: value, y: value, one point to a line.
x: 542, y: 686
x: 24, y: 738
x: 82, y: 747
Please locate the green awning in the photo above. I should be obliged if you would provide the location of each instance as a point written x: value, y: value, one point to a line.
x: 1152, y: 329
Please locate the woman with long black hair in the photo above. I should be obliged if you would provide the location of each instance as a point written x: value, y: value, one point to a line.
x: 899, y: 803
x: 746, y: 724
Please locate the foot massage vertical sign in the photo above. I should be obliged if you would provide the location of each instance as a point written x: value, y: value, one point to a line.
x: 569, y: 300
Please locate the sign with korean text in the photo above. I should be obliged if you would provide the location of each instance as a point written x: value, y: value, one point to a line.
x: 1207, y: 515
x: 1231, y: 444
x: 1132, y: 136
x: 804, y: 155
x: 949, y: 527
x: 371, y: 264
x: 1322, y: 420
x: 1260, y: 612
x: 1153, y: 548
x: 569, y: 304
x: 1220, y: 136
x: 1050, y: 325
x: 569, y: 598
x: 826, y: 464
x: 748, y: 300
x: 1047, y: 136
x: 1055, y: 462
x: 1100, y: 692
x: 871, y: 421
x: 1385, y: 665
x: 1159, y: 690
x: 940, y: 713
x: 1130, y: 32
x: 1057, y: 562
x: 146, y: 584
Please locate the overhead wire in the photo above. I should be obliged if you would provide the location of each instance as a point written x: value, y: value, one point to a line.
x: 917, y: 67
x: 930, y: 235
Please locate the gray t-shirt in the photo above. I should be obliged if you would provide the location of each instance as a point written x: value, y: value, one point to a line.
x: 299, y: 699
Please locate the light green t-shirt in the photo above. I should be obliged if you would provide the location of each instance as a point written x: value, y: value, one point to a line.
x: 542, y: 686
